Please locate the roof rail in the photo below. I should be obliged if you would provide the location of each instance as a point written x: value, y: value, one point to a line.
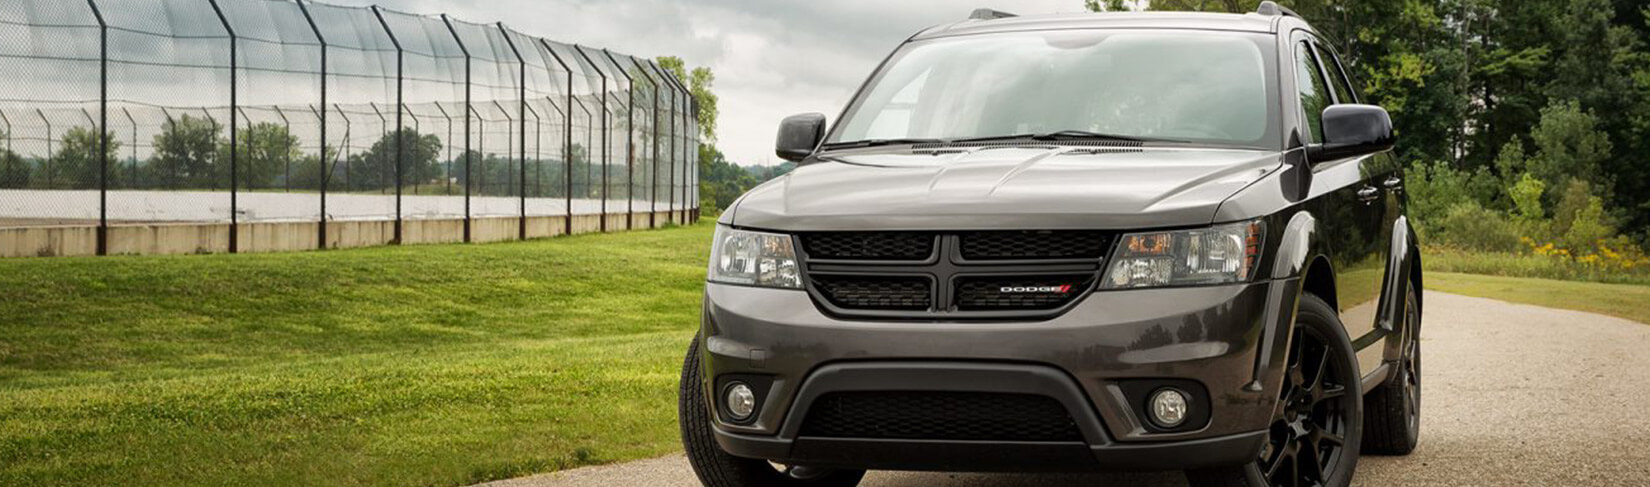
x: 989, y: 14
x: 1272, y: 8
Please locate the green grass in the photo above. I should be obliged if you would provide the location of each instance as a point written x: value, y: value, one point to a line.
x: 435, y: 365
x: 1620, y: 300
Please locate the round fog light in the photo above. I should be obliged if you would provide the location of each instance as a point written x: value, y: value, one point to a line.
x: 741, y: 402
x: 1168, y: 408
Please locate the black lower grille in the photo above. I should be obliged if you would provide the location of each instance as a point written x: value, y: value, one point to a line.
x: 876, y: 292
x: 983, y: 293
x: 967, y: 416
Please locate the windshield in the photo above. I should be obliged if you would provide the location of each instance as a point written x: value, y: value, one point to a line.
x: 1191, y: 86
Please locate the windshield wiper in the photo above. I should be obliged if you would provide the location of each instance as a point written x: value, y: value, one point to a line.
x: 1065, y: 135
x: 878, y: 143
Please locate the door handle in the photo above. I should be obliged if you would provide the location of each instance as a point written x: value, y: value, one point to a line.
x: 1369, y: 194
x: 1394, y: 183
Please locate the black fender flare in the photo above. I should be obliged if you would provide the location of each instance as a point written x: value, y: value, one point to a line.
x: 1400, y: 272
x: 1298, y: 247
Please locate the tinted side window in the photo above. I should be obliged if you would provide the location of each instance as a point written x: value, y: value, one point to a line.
x: 1313, y: 90
x: 1337, y: 72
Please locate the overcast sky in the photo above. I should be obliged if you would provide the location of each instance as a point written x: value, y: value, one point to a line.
x: 772, y: 58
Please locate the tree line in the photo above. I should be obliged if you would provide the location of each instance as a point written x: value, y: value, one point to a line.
x: 192, y: 153
x: 1524, y: 124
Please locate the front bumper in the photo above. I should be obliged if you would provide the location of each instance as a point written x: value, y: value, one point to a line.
x: 1225, y: 338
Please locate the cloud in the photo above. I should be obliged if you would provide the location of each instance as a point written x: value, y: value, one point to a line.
x: 772, y: 58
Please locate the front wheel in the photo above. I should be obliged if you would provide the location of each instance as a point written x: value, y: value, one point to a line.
x: 1318, y: 424
x: 717, y: 468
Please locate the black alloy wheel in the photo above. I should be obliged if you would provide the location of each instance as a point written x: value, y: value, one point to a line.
x: 1309, y: 430
x: 1317, y: 426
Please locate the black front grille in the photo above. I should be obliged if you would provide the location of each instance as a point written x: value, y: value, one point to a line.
x: 952, y: 274
x: 869, y: 245
x: 967, y: 416
x: 985, y: 293
x: 1033, y: 245
x: 876, y: 292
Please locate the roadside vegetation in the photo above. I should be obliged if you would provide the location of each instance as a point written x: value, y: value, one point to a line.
x: 419, y: 365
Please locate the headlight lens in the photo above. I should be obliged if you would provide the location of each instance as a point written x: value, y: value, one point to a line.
x: 1216, y: 255
x: 754, y: 258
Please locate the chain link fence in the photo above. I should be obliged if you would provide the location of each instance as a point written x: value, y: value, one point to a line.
x: 303, y: 117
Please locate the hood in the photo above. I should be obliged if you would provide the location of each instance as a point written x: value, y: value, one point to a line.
x: 1001, y: 188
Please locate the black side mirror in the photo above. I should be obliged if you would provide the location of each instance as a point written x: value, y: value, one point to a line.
x: 799, y: 135
x: 1352, y: 131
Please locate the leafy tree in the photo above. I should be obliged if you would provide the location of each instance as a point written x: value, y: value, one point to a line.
x: 1569, y: 145
x: 722, y: 181
x: 1526, y: 196
x: 186, y: 154
x: 699, y: 83
x: 1579, y: 222
x: 266, y: 152
x: 14, y: 171
x: 376, y: 166
x: 1435, y: 189
x: 76, y: 165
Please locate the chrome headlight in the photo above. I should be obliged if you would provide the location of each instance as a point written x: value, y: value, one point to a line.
x: 1216, y: 255
x: 753, y: 258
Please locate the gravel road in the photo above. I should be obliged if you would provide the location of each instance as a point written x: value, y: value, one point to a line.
x: 1514, y: 395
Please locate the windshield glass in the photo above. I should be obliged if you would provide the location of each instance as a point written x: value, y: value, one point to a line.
x: 1193, y: 86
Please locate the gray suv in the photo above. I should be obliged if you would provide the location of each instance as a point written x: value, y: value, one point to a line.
x: 1074, y: 242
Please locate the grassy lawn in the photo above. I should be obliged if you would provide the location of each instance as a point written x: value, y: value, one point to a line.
x: 1620, y: 300
x: 437, y: 365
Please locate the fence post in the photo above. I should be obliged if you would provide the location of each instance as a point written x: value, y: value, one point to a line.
x: 629, y: 143
x: 349, y: 129
x: 567, y: 145
x: 693, y: 148
x: 607, y: 141
x: 449, y: 175
x: 653, y: 172
x: 399, y: 88
x: 102, y: 135
x: 287, y: 157
x: 469, y: 172
x: 234, y: 145
x: 7, y: 121
x: 326, y: 171
x: 133, y: 183
x: 521, y: 116
x: 50, y: 176
x: 418, y: 131
x: 382, y: 122
x: 676, y: 131
x: 249, y: 140
x: 665, y: 141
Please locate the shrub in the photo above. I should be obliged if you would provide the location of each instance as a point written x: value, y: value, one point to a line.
x: 1436, y: 189
x: 1470, y: 226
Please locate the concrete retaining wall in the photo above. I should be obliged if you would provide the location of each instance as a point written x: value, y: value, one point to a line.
x: 213, y: 238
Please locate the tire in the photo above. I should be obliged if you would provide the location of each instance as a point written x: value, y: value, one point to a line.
x: 717, y: 468
x: 1392, y: 412
x: 1320, y: 387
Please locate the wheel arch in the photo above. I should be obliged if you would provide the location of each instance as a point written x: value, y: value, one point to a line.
x: 1319, y: 281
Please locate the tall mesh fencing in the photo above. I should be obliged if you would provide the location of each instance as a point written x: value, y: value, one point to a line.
x: 236, y: 112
